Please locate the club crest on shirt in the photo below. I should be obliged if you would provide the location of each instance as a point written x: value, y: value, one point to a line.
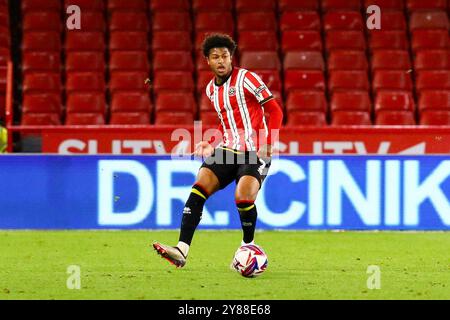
x: 232, y: 91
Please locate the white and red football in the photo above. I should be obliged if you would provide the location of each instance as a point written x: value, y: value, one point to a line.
x: 250, y: 260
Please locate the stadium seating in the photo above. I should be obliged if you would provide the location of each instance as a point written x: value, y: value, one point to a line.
x: 350, y: 118
x: 171, y: 21
x: 391, y: 118
x: 391, y: 80
x: 257, y: 21
x: 306, y: 118
x: 128, y: 21
x: 347, y: 60
x: 435, y: 118
x: 258, y: 41
x: 306, y: 101
x: 340, y: 80
x: 41, y: 61
x: 316, y: 56
x: 300, y: 20
x: 350, y: 101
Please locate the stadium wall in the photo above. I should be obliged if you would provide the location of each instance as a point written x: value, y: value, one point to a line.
x: 148, y: 192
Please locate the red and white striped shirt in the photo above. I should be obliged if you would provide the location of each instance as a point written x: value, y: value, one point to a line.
x: 239, y: 105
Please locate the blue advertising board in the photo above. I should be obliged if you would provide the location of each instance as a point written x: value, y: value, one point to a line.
x: 149, y: 192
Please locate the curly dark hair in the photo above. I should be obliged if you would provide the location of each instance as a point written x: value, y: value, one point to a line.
x: 218, y: 40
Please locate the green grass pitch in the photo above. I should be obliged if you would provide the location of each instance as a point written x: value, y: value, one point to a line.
x: 302, y: 265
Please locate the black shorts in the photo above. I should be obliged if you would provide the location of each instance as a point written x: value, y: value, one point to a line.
x: 230, y: 165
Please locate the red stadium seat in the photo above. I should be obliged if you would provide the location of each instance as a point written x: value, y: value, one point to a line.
x: 130, y: 118
x: 350, y: 118
x: 260, y: 60
x: 300, y: 20
x: 174, y: 118
x: 435, y: 118
x: 429, y: 39
x: 342, y: 20
x: 343, y: 80
x: 257, y: 21
x: 306, y: 118
x: 306, y: 101
x: 416, y: 5
x: 255, y: 5
x: 86, y: 102
x: 128, y: 21
x: 85, y: 81
x: 172, y: 6
x: 345, y: 40
x: 130, y: 102
x: 128, y: 81
x: 85, y: 118
x: 381, y: 39
x: 301, y: 40
x: 394, y: 118
x: 212, y: 6
x: 209, y: 118
x: 175, y: 101
x: 173, y: 81
x: 394, y: 100
x: 171, y: 40
x: 40, y: 5
x: 295, y: 5
x: 87, y: 5
x: 129, y: 5
x: 171, y: 21
x: 85, y: 41
x: 391, y: 80
x: 258, y: 41
x: 434, y: 99
x: 433, y: 79
x: 270, y: 77
x: 428, y: 20
x: 432, y: 59
x: 329, y: 5
x: 205, y: 105
x: 393, y: 20
x: 129, y: 61
x: 42, y: 21
x: 347, y: 60
x: 303, y: 80
x: 42, y: 82
x: 214, y: 21
x: 41, y: 41
x: 385, y: 4
x: 303, y: 60
x: 41, y: 61
x: 4, y: 18
x: 201, y: 64
x: 93, y: 21
x: 391, y: 59
x: 40, y: 119
x: 41, y: 103
x: 350, y: 101
x: 128, y: 41
x: 85, y: 61
x: 172, y: 60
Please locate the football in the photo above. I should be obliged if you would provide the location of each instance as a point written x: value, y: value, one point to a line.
x: 250, y: 260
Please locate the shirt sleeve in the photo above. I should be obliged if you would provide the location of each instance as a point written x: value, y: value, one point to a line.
x: 257, y: 87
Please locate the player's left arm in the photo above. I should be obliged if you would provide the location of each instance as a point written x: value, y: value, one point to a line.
x: 258, y: 88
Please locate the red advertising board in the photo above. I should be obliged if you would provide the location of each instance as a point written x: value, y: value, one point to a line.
x: 173, y: 140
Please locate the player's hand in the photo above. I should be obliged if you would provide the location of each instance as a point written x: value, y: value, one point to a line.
x: 203, y: 149
x: 265, y: 151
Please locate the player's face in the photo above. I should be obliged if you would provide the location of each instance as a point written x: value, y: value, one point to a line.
x: 219, y: 60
